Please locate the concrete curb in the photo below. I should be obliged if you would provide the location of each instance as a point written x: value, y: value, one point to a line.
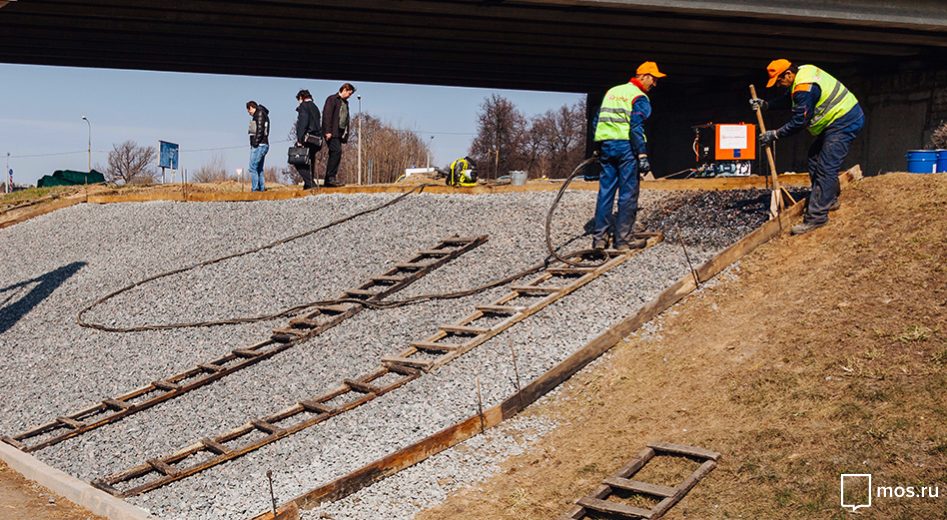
x: 82, y: 493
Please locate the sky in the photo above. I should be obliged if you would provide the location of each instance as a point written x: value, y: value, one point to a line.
x: 41, y: 111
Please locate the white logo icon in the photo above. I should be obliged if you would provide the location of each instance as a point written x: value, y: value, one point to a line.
x: 855, y: 481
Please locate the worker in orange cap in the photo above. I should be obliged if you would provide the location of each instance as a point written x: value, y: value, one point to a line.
x: 832, y: 114
x: 623, y: 152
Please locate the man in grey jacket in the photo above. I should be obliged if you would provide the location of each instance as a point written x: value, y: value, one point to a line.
x: 335, y: 127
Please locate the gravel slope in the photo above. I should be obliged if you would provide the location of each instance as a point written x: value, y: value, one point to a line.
x: 52, y: 367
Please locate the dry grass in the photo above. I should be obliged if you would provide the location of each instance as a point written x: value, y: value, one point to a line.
x: 827, y: 355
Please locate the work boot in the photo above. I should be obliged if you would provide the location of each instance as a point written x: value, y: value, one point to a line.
x: 805, y: 227
x: 599, y: 244
x: 333, y: 183
x: 636, y: 243
x: 836, y: 204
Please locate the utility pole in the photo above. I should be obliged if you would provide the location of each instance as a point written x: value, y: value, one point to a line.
x: 429, y: 152
x: 6, y: 173
x: 359, y: 97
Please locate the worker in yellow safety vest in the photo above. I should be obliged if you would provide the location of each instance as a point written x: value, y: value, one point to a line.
x: 623, y: 153
x: 832, y: 114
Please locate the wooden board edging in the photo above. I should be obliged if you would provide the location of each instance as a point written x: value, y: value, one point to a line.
x: 464, y: 430
x: 82, y: 493
x: 178, y: 195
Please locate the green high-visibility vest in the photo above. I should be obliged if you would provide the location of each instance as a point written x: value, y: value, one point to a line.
x: 835, y: 101
x: 614, y: 118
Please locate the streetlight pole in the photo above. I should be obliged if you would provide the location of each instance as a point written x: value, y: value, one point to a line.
x: 86, y: 119
x: 6, y: 173
x: 359, y: 97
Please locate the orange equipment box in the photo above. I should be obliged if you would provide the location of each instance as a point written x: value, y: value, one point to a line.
x: 735, y: 142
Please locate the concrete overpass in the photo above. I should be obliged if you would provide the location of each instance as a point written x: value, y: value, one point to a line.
x: 706, y: 46
x: 533, y: 44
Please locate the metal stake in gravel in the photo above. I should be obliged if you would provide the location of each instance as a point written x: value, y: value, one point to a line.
x: 299, y: 329
x: 269, y: 476
x: 479, y: 404
x: 426, y: 355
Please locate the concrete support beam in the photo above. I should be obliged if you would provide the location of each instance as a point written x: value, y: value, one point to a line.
x: 917, y: 14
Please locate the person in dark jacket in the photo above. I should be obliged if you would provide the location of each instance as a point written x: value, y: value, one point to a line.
x: 259, y: 142
x: 335, y: 128
x: 307, y: 122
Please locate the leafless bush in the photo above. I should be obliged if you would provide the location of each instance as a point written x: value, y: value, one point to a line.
x: 130, y: 163
x: 939, y: 137
x: 215, y: 170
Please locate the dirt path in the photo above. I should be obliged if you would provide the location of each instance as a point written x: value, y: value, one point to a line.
x: 22, y: 499
x: 827, y: 354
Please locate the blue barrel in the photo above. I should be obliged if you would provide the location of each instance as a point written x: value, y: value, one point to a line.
x: 941, y: 161
x: 922, y: 161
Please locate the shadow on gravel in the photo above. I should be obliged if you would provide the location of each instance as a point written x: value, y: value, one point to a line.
x: 12, y: 309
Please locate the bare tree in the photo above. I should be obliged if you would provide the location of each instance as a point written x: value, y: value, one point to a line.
x: 501, y: 129
x: 130, y: 163
x: 214, y: 170
x: 562, y: 134
x: 271, y: 175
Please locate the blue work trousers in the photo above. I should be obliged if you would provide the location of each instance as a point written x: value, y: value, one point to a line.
x: 825, y: 158
x: 619, y: 173
x: 257, y: 155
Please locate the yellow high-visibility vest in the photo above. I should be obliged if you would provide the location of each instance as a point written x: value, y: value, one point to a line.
x: 614, y: 118
x: 835, y: 101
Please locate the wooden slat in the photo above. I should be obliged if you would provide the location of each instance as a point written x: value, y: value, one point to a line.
x: 403, y: 370
x: 165, y: 385
x: 435, y: 252
x: 390, y: 279
x: 681, y: 449
x: 162, y: 467
x: 459, y: 241
x: 265, y: 426
x: 359, y: 386
x: 640, y: 487
x: 408, y: 362
x: 463, y: 329
x: 316, y: 407
x: 430, y: 346
x: 13, y: 442
x: 214, y: 446
x: 247, y: 353
x: 210, y: 367
x: 570, y: 270
x: 361, y: 293
x: 304, y: 323
x: 116, y: 404
x: 614, y: 508
x: 535, y: 289
x: 499, y: 309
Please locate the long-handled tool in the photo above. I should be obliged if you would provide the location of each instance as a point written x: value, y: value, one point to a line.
x: 776, y: 203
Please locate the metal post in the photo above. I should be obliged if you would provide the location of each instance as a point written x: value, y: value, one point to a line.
x: 429, y: 152
x: 359, y: 97
x: 86, y: 119
x: 6, y: 173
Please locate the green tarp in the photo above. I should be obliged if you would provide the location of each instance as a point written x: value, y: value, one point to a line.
x: 70, y: 178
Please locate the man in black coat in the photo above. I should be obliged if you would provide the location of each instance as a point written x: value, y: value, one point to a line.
x: 307, y: 122
x: 335, y: 128
x: 259, y: 142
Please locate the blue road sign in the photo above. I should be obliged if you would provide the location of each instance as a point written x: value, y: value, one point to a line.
x: 167, y: 155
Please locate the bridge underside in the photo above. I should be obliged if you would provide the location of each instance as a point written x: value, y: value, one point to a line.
x: 572, y: 46
x: 894, y: 57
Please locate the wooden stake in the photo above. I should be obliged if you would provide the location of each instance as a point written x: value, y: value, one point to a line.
x: 776, y: 199
x: 480, y: 405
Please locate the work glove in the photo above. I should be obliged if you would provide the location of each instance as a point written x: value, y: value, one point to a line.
x: 768, y: 137
x: 758, y: 103
x: 644, y: 166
